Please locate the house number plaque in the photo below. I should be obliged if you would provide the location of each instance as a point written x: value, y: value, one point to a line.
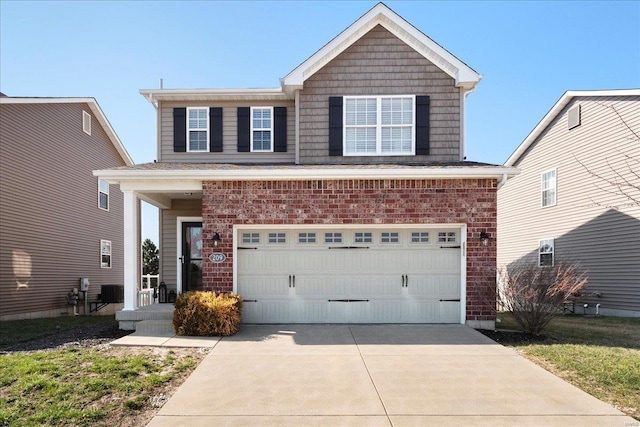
x: 217, y: 257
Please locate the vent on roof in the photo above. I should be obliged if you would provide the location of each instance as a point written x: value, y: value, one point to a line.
x: 573, y: 117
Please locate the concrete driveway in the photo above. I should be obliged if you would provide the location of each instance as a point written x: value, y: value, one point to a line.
x: 375, y: 375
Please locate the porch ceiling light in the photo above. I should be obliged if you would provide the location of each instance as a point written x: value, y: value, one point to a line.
x: 484, y: 236
x: 216, y: 239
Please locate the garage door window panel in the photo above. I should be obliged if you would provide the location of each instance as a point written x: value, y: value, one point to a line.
x: 333, y: 237
x: 277, y: 238
x: 419, y: 237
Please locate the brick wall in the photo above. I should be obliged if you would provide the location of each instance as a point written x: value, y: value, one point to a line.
x: 469, y: 201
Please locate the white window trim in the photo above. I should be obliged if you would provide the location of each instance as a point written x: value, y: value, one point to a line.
x: 101, y: 192
x: 102, y: 265
x: 553, y: 251
x: 86, y: 122
x: 270, y: 129
x: 555, y: 188
x: 378, y: 126
x: 206, y: 149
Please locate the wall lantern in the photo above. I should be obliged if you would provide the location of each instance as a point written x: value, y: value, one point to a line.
x: 216, y: 239
x: 484, y: 236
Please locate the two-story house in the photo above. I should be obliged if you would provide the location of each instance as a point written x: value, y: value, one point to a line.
x: 58, y: 222
x: 341, y: 196
x: 578, y: 197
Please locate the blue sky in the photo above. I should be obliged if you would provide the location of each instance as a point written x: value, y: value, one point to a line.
x: 529, y: 53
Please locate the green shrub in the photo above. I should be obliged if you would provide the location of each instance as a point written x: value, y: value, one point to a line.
x: 200, y: 313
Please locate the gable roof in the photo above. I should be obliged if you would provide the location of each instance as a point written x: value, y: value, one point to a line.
x: 564, y: 100
x: 464, y: 76
x: 93, y: 106
x: 380, y: 14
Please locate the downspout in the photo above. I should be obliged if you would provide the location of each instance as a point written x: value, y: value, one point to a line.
x: 463, y: 97
x: 502, y: 181
x: 297, y: 124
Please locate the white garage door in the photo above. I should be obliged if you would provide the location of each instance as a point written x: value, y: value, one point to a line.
x: 350, y: 276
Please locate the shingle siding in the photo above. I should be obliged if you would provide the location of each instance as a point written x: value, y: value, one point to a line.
x: 379, y: 64
x: 599, y: 229
x: 49, y: 211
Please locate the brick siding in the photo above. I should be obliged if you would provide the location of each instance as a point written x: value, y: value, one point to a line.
x: 322, y: 202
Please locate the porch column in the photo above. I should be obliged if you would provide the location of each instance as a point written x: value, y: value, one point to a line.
x: 132, y: 249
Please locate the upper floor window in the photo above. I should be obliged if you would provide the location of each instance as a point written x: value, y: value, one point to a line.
x: 262, y: 129
x: 86, y: 122
x: 379, y: 125
x: 548, y: 187
x: 103, y: 194
x: 198, y: 129
x: 546, y: 251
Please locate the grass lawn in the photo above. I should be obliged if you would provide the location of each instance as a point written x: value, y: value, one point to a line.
x: 600, y: 355
x: 94, y: 386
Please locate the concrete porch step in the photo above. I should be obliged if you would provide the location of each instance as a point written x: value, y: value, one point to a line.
x: 154, y: 326
x: 157, y: 312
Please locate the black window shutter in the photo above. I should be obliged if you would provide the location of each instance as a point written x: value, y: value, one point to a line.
x: 179, y: 130
x: 335, y: 126
x: 280, y: 129
x: 215, y: 129
x: 244, y: 133
x: 422, y: 125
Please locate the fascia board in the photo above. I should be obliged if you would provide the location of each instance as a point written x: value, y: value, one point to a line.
x: 95, y: 108
x: 565, y: 99
x: 173, y: 176
x: 155, y: 95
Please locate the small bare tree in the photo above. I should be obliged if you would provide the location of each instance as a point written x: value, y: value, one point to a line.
x: 534, y: 295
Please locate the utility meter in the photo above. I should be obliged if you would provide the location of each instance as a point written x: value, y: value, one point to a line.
x: 84, y: 284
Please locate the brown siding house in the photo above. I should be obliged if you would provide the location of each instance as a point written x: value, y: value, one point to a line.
x: 53, y: 221
x: 341, y: 196
x: 578, y: 197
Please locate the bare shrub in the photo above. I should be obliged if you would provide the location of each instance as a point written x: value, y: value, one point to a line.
x: 534, y: 295
x: 204, y: 313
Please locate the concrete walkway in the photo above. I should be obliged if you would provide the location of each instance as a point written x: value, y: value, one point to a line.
x: 374, y: 375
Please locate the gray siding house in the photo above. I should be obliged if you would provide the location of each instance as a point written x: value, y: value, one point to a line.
x: 578, y: 196
x: 340, y: 196
x: 58, y: 222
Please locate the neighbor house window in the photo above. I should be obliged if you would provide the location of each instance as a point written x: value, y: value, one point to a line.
x: 103, y: 194
x: 548, y: 186
x: 262, y: 129
x: 379, y: 125
x: 197, y: 129
x: 86, y: 122
x: 545, y: 253
x: 105, y: 253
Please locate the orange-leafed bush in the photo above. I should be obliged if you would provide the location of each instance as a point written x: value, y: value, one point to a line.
x: 200, y: 313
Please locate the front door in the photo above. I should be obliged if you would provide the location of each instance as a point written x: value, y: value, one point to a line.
x: 191, y: 256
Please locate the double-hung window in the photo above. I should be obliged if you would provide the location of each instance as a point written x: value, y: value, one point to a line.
x: 103, y: 194
x: 548, y: 187
x: 546, y: 251
x: 262, y: 129
x: 198, y: 129
x: 379, y: 125
x: 105, y: 253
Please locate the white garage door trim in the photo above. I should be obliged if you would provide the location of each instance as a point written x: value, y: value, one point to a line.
x: 238, y: 229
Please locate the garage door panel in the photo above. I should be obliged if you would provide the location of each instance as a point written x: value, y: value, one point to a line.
x: 264, y: 285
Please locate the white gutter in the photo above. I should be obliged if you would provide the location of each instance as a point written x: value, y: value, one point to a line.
x: 284, y: 173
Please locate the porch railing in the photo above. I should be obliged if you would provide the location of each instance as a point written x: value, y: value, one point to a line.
x: 147, y: 287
